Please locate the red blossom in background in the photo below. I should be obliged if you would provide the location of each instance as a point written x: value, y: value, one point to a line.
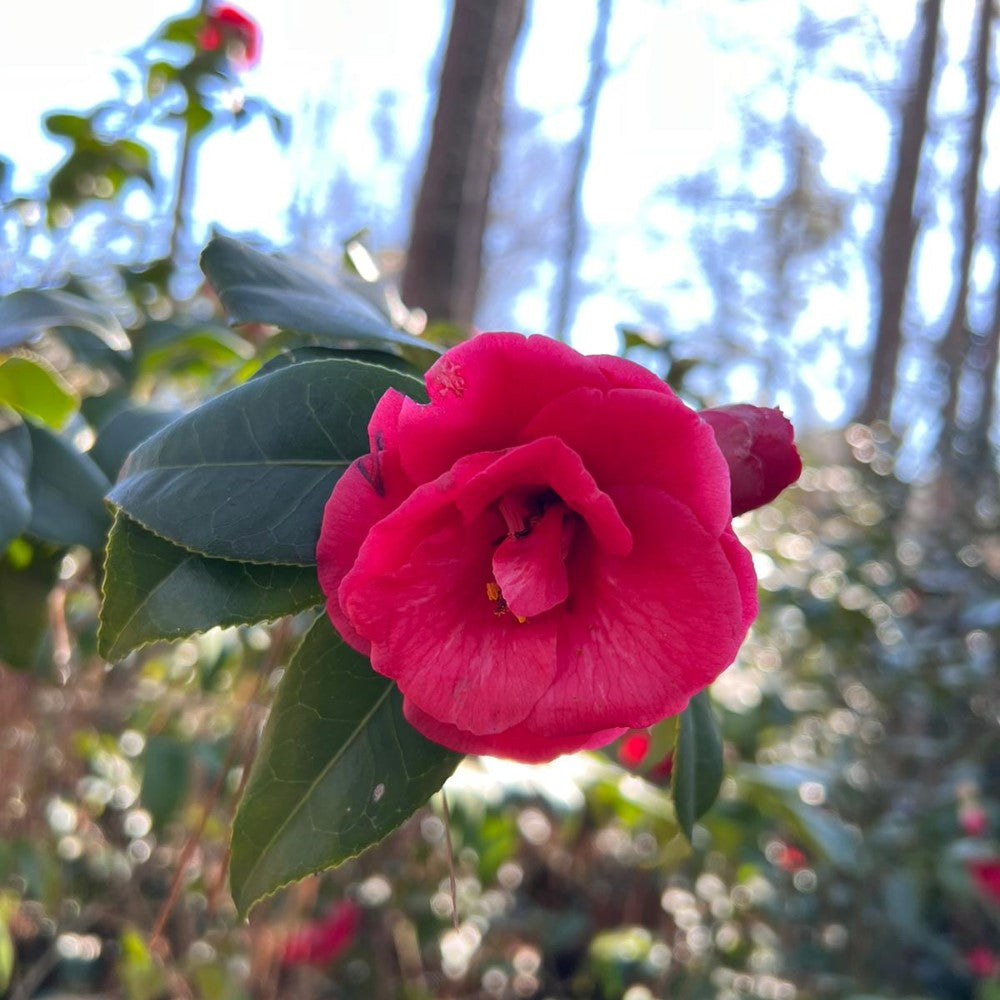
x: 973, y: 820
x: 982, y: 962
x: 632, y: 753
x: 324, y: 940
x: 985, y: 873
x: 231, y: 28
x: 790, y: 859
x: 541, y: 557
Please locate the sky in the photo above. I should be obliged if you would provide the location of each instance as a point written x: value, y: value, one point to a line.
x: 668, y: 109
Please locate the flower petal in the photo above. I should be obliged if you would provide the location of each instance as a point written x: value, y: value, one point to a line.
x: 372, y: 487
x: 530, y: 568
x: 520, y: 742
x: 426, y: 611
x: 642, y: 633
x: 482, y: 392
x: 638, y: 437
x: 545, y: 462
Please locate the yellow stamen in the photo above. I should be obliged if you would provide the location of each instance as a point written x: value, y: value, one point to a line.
x: 492, y: 591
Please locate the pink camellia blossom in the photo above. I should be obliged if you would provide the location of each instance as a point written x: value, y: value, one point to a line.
x: 238, y: 32
x: 541, y: 557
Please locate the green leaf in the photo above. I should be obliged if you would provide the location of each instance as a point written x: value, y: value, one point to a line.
x: 29, y: 312
x: 66, y: 489
x: 165, y: 777
x: 338, y: 769
x: 15, y: 467
x: 246, y: 475
x: 697, y: 772
x: 123, y: 431
x: 34, y: 387
x: 155, y: 590
x: 260, y: 288
x: 24, y: 609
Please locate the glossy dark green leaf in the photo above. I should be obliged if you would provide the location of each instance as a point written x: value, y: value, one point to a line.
x: 66, y: 489
x: 246, y: 475
x: 338, y: 769
x: 155, y: 590
x: 15, y: 467
x: 35, y: 388
x: 29, y: 312
x: 697, y: 772
x: 261, y: 288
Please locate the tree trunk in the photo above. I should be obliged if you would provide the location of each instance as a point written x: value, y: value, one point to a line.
x: 956, y: 343
x: 564, y: 306
x: 445, y: 255
x: 900, y: 227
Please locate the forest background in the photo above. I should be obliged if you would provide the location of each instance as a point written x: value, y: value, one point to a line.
x: 791, y: 203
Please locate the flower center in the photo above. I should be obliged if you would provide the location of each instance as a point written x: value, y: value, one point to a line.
x: 529, y: 563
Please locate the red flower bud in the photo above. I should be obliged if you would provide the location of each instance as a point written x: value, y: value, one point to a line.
x: 973, y: 820
x: 759, y: 449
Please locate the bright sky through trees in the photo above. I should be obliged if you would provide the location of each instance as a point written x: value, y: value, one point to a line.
x: 669, y: 108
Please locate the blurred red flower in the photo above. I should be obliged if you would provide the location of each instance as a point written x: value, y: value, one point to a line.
x: 985, y: 874
x: 790, y: 859
x: 239, y: 34
x: 973, y: 820
x: 632, y: 752
x: 982, y: 962
x: 323, y: 940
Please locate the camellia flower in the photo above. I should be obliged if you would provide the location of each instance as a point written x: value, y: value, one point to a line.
x: 541, y: 557
x: 236, y: 31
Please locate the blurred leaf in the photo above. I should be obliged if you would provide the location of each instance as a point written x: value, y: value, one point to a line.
x: 29, y: 312
x: 24, y: 609
x: 67, y: 126
x: 774, y: 788
x: 34, y: 387
x: 338, y: 769
x: 123, y: 431
x: 15, y: 467
x: 8, y: 907
x: 211, y: 346
x: 165, y: 777
x: 66, y: 489
x: 141, y: 975
x: 261, y: 288
x: 697, y: 772
x: 155, y: 590
x: 246, y: 476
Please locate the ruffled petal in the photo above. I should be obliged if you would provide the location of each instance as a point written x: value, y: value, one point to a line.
x: 481, y: 393
x: 642, y: 633
x: 372, y: 487
x: 426, y: 610
x: 530, y: 568
x: 517, y: 743
x: 544, y: 463
x: 630, y: 437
